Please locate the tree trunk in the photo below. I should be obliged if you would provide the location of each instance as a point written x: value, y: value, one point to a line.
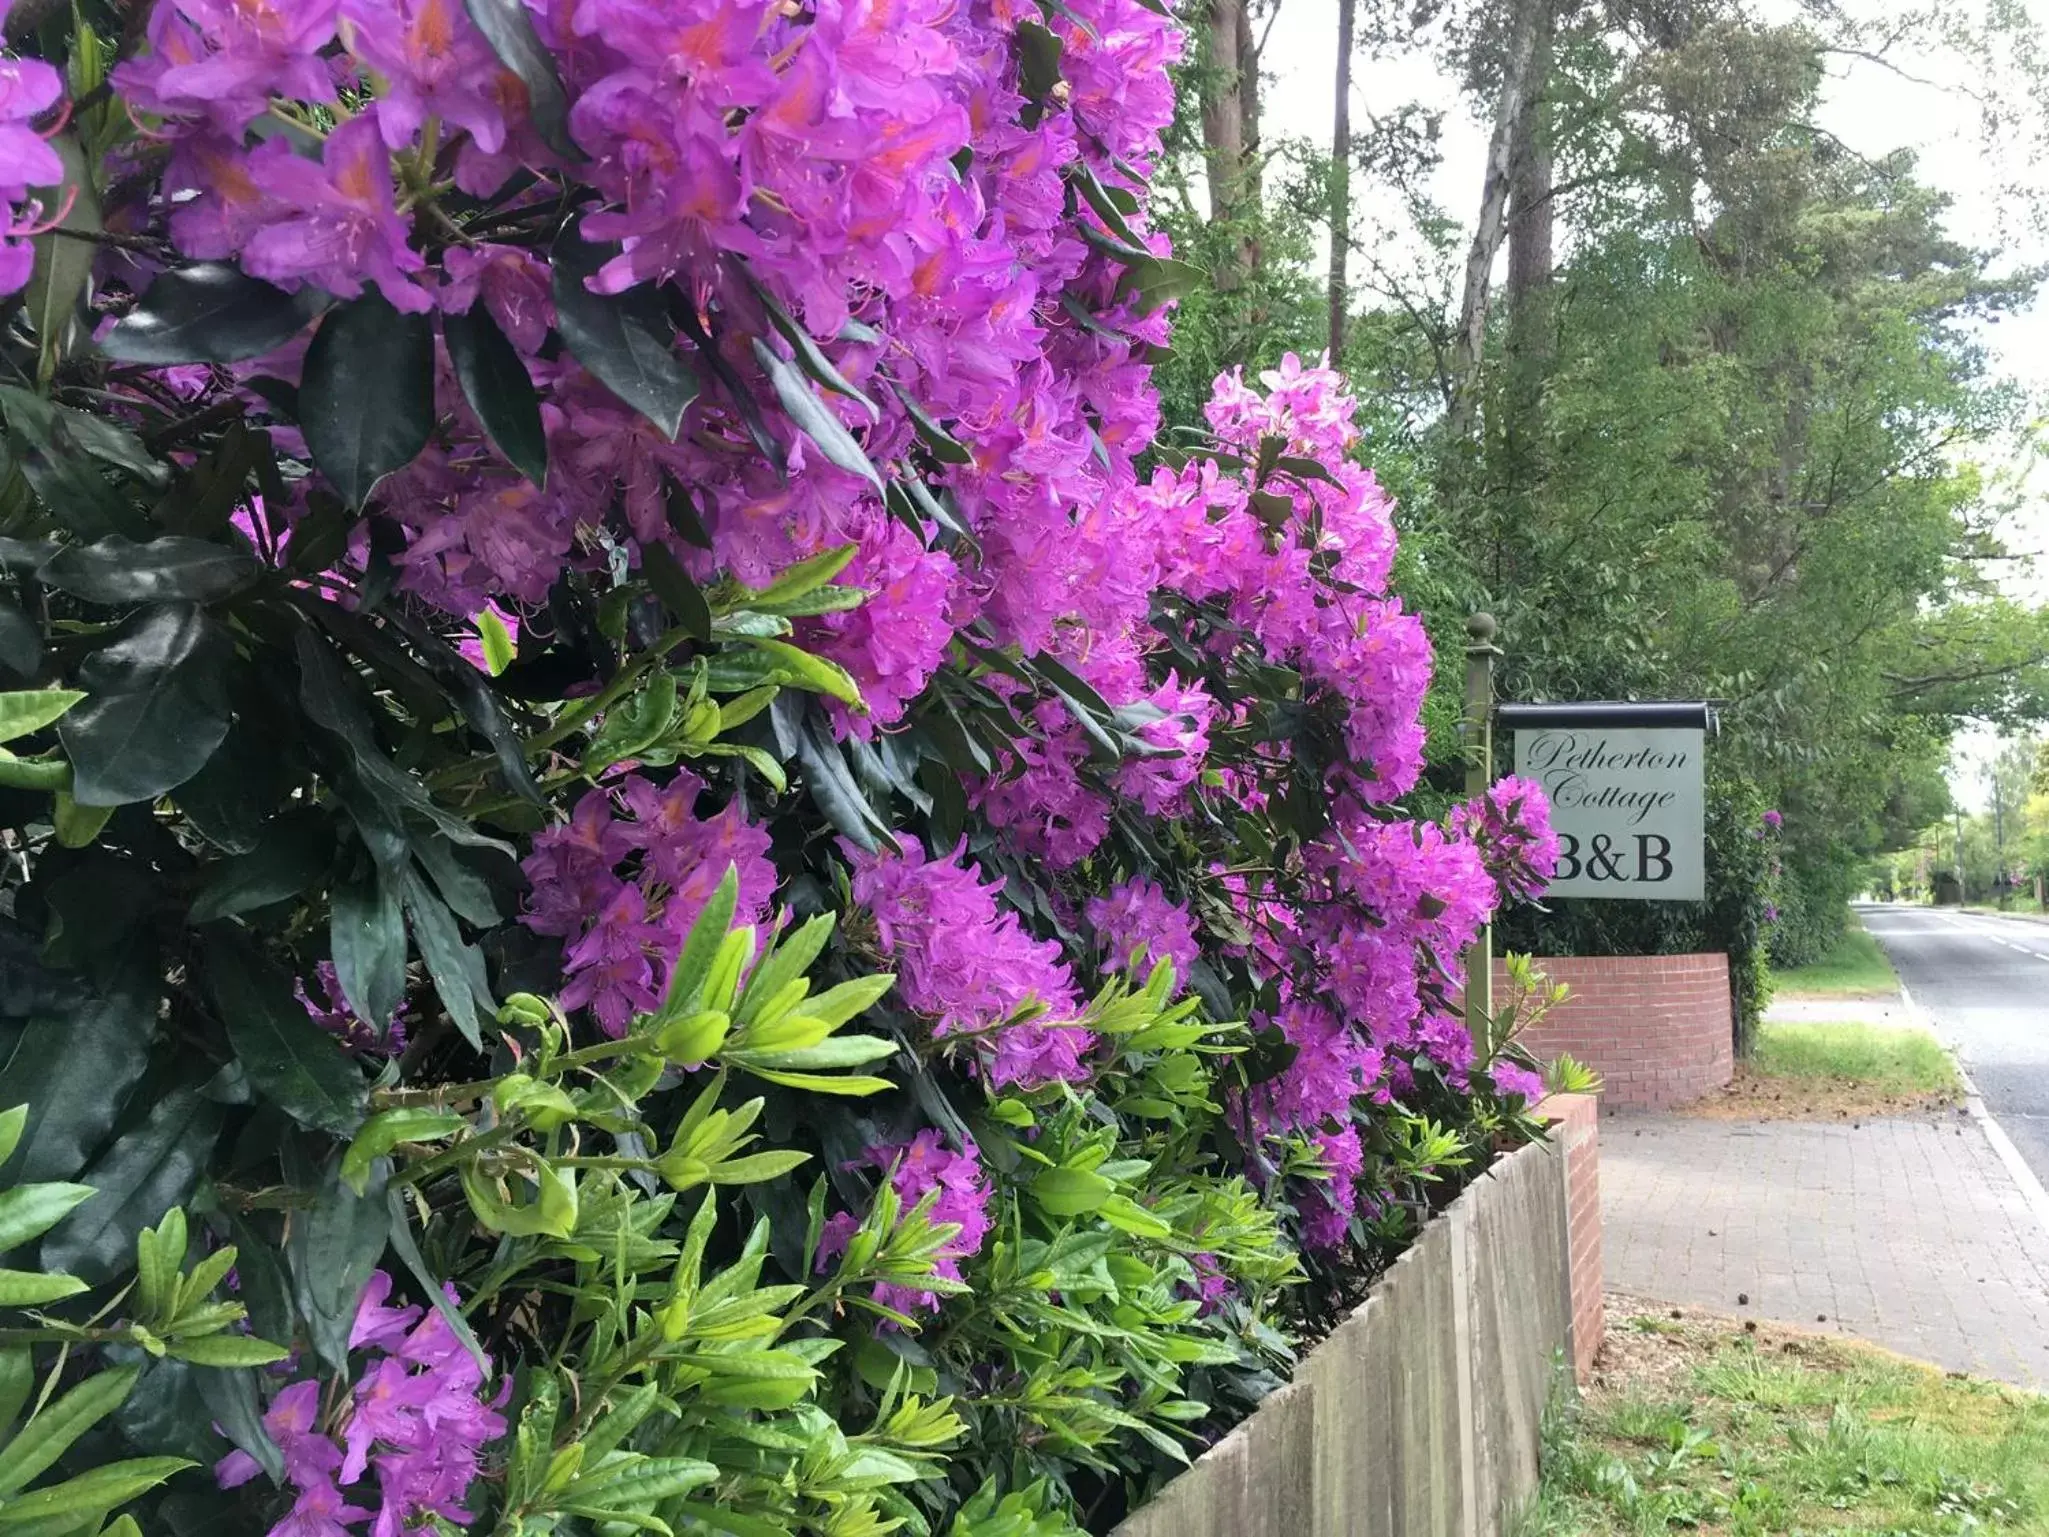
x: 1341, y: 183
x: 1230, y: 128
x: 1531, y: 217
x: 1492, y: 226
x: 1223, y: 124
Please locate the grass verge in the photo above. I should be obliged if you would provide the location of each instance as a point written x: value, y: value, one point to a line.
x: 1855, y: 968
x: 1838, y: 1072
x: 1700, y: 1424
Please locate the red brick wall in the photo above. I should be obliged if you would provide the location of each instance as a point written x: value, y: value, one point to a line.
x: 1657, y: 1028
x: 1576, y: 1124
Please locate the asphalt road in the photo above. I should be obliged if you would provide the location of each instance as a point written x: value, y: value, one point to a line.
x: 1984, y: 982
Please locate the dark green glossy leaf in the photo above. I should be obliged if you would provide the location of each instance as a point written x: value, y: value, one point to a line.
x: 1159, y: 280
x: 210, y: 312
x: 324, y: 689
x: 944, y: 445
x: 679, y: 594
x: 332, y: 1250
x: 62, y: 430
x: 811, y: 357
x: 1071, y: 683
x: 496, y: 384
x: 1104, y: 200
x: 408, y: 1251
x: 156, y: 707
x: 366, y: 398
x: 228, y: 799
x: 1305, y: 469
x: 1038, y: 60
x: 683, y: 518
x: 813, y: 416
x: 232, y: 1403
x: 290, y: 1060
x: 1079, y: 313
x: 456, y: 965
x: 461, y: 887
x: 74, y: 1065
x: 203, y: 500
x: 911, y: 499
x: 294, y: 852
x: 367, y: 937
x: 167, y: 1413
x: 61, y: 453
x: 510, y: 31
x: 21, y: 643
x: 835, y: 791
x: 625, y: 340
x: 265, y: 1290
x: 144, y: 1174
x: 1110, y: 245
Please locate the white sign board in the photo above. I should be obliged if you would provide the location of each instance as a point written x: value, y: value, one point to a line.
x: 1626, y: 805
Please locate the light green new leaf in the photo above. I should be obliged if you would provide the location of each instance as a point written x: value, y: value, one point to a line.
x: 49, y: 1435
x: 33, y: 1288
x: 644, y: 1483
x: 810, y: 672
x: 92, y: 1493
x: 228, y: 1350
x: 836, y: 1005
x: 499, y: 651
x: 757, y: 1168
x: 840, y: 1051
x: 385, y: 1131
x: 1071, y: 1192
x: 30, y: 709
x: 29, y: 1211
x: 819, y: 1083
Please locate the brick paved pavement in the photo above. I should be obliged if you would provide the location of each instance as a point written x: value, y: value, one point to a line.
x: 1908, y: 1233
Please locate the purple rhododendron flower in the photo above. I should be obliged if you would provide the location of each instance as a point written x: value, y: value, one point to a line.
x: 1138, y: 917
x: 625, y: 878
x: 1511, y: 826
x: 338, y: 229
x: 330, y: 1010
x: 416, y: 1421
x: 916, y: 1169
x: 1513, y: 1078
x: 28, y: 88
x: 970, y: 967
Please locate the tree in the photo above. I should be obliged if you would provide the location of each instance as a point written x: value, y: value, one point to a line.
x: 1341, y: 181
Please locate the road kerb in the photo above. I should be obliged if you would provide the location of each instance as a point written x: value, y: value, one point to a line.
x: 2024, y: 1177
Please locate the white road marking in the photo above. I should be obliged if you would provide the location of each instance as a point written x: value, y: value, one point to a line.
x: 2017, y: 1166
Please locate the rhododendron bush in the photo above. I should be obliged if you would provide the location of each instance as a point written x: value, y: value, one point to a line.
x: 638, y: 778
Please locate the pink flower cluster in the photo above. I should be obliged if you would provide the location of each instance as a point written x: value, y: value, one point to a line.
x: 882, y: 170
x: 1513, y: 1078
x: 967, y: 964
x: 1138, y: 917
x: 915, y: 1169
x: 28, y: 89
x: 1511, y: 827
x: 330, y: 1010
x: 1399, y: 902
x: 623, y: 880
x: 416, y: 1419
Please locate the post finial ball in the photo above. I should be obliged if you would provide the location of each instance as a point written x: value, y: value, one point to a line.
x: 1482, y: 628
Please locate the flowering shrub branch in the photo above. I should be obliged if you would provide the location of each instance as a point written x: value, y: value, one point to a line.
x: 642, y: 781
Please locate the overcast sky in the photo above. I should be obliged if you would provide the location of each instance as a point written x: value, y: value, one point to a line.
x: 1874, y: 110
